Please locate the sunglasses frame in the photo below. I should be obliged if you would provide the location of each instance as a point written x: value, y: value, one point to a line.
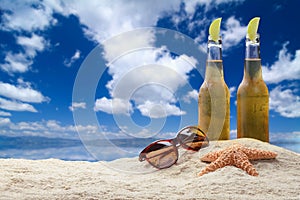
x: 175, y: 142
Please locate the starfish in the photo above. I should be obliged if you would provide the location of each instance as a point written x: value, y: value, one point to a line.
x: 236, y: 155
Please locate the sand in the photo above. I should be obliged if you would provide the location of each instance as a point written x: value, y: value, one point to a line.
x: 128, y: 178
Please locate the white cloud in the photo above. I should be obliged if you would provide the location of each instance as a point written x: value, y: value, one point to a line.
x: 29, y: 15
x: 153, y: 80
x: 77, y: 105
x: 27, y: 126
x: 159, y: 110
x: 32, y: 44
x: 26, y: 16
x: 21, y: 62
x: 285, y: 102
x: 287, y: 67
x: 55, y: 125
x: 156, y: 79
x: 5, y: 114
x: 233, y: 134
x: 25, y: 94
x: 49, y: 128
x: 18, y: 62
x: 113, y: 106
x: 107, y: 18
x: 190, y: 5
x: 234, y: 32
x: 232, y: 90
x: 87, y: 129
x: 103, y: 19
x: 126, y: 42
x: 191, y: 95
x: 158, y: 67
x: 72, y: 60
x: 4, y: 121
x: 16, y: 106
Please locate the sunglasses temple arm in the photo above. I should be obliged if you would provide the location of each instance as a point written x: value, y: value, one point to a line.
x: 143, y: 155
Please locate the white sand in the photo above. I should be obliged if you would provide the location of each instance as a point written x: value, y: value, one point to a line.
x: 125, y: 178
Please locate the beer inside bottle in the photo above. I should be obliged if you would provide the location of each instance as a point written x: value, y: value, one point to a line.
x: 253, y: 97
x: 214, y: 97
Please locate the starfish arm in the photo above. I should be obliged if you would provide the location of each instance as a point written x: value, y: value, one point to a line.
x: 222, y: 161
x: 212, y: 156
x: 257, y: 154
x: 241, y: 161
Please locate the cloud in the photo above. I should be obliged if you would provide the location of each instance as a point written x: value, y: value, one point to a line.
x: 72, y: 60
x: 113, y: 106
x: 234, y: 33
x: 287, y: 67
x: 155, y: 80
x: 32, y: 44
x: 119, y: 45
x: 20, y: 93
x: 45, y: 128
x: 77, y: 105
x: 159, y: 110
x: 118, y: 17
x: 16, y: 106
x: 5, y: 114
x: 233, y: 134
x: 25, y: 18
x: 158, y: 66
x: 20, y: 62
x: 114, y: 17
x: 29, y: 16
x: 4, y: 121
x: 285, y: 102
x: 16, y: 62
x: 232, y: 91
x: 191, y: 95
x: 191, y: 5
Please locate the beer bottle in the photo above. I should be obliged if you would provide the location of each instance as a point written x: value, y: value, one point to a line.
x: 253, y: 95
x: 214, y: 96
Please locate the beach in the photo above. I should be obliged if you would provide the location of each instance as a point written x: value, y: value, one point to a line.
x: 127, y: 178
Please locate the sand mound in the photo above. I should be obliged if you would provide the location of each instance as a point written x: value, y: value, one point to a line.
x: 129, y: 179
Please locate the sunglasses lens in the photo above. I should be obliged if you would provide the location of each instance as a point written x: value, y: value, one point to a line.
x: 192, y: 138
x: 161, y: 154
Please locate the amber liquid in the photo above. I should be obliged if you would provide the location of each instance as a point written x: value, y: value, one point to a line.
x: 214, y: 103
x: 253, y: 103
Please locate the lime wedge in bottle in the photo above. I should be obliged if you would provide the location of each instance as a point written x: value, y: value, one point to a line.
x: 252, y: 28
x: 214, y: 29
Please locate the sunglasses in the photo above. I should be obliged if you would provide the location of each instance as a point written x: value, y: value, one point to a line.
x: 164, y: 153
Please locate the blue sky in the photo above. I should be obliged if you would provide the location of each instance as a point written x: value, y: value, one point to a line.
x: 44, y: 45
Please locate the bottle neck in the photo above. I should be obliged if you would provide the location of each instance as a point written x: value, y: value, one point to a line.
x: 214, y: 64
x: 253, y: 48
x: 252, y: 65
x: 214, y: 49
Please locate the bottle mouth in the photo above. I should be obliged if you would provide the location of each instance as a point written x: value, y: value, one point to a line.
x: 256, y: 40
x: 253, y: 47
x: 219, y: 41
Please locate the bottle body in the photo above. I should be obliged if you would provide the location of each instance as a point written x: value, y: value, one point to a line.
x: 253, y: 103
x: 214, y: 103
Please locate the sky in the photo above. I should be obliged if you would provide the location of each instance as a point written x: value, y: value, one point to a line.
x: 116, y: 69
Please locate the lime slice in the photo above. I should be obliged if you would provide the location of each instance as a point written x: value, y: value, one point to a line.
x: 252, y: 28
x: 214, y: 29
